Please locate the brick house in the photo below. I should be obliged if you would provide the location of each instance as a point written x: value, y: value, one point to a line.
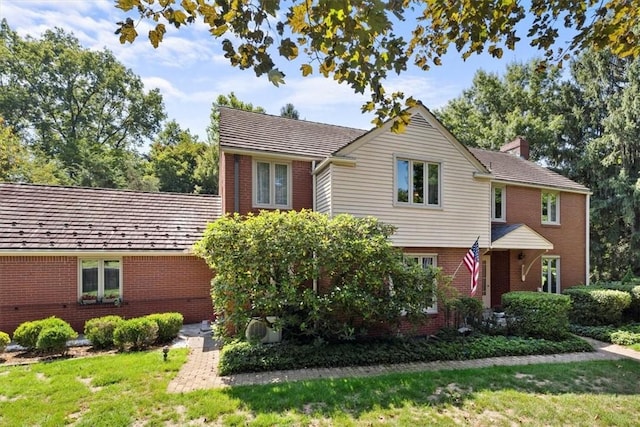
x: 531, y: 224
x: 79, y: 253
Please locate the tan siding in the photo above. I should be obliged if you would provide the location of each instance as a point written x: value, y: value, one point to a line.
x: 368, y: 189
x: 323, y: 191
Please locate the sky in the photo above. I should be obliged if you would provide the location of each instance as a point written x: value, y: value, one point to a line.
x: 190, y: 70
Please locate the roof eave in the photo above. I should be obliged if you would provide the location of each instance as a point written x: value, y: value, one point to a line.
x: 268, y: 153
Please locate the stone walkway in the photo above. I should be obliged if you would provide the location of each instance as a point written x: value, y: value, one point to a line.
x: 200, y: 370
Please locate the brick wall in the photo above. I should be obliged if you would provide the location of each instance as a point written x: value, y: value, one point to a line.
x: 568, y: 238
x: 301, y: 181
x: 37, y: 287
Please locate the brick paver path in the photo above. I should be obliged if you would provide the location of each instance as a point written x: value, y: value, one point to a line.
x: 200, y: 371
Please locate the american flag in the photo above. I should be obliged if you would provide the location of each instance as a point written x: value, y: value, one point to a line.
x: 472, y: 261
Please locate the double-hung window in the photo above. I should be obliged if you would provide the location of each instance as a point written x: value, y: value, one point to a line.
x: 550, y: 207
x: 99, y: 280
x: 425, y: 261
x: 551, y: 275
x: 417, y: 182
x: 271, y: 184
x: 498, y: 203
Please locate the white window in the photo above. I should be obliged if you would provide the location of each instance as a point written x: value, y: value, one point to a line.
x: 99, y: 280
x: 550, y: 207
x: 271, y: 184
x: 498, y: 203
x: 417, y: 183
x: 425, y: 261
x: 551, y: 275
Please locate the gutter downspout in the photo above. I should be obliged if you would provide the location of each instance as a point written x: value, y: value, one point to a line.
x: 313, y: 207
x: 587, y: 240
x: 236, y: 183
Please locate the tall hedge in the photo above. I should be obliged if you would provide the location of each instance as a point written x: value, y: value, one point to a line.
x: 596, y: 306
x: 537, y: 314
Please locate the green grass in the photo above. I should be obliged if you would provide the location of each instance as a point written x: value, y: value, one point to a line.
x: 130, y: 389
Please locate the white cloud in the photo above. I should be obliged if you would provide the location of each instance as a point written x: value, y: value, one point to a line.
x: 167, y: 89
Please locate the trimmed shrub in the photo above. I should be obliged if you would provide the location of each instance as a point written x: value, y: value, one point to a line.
x: 54, y: 336
x: 48, y: 335
x: 596, y: 306
x: 169, y: 325
x: 100, y: 330
x: 625, y: 338
x: 137, y: 333
x: 4, y: 340
x: 26, y: 334
x: 633, y: 311
x: 537, y: 314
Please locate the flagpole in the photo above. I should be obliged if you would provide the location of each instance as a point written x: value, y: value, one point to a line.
x: 460, y: 265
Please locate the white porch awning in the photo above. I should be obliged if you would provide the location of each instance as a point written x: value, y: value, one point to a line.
x: 517, y: 236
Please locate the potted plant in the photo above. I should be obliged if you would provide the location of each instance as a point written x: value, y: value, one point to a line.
x: 88, y: 299
x: 110, y: 297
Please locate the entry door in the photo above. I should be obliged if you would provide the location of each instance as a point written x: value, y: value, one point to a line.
x: 486, y: 281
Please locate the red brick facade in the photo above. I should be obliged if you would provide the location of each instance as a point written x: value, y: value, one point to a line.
x: 44, y: 286
x: 301, y: 184
x: 568, y: 238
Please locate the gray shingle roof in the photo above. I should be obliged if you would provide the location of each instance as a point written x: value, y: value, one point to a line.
x: 274, y: 134
x: 507, y: 167
x: 40, y: 217
x: 498, y: 231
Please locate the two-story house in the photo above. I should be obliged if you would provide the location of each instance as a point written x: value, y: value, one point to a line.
x: 79, y: 253
x: 531, y: 223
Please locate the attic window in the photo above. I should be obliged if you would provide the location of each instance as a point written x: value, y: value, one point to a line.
x: 271, y: 184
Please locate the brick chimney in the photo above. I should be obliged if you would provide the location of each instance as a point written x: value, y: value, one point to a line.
x: 518, y: 147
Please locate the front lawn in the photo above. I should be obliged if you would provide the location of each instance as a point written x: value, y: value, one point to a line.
x: 130, y: 389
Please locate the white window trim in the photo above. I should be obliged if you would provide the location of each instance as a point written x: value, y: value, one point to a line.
x: 503, y: 213
x: 558, y: 271
x: 433, y: 309
x: 410, y: 203
x: 101, y: 261
x: 272, y: 185
x: 542, y: 201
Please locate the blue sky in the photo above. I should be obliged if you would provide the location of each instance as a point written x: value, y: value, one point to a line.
x: 190, y: 70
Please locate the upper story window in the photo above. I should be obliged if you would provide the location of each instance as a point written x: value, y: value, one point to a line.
x: 100, y: 280
x: 271, y: 184
x: 550, y: 207
x: 417, y: 182
x: 498, y: 203
x: 424, y: 261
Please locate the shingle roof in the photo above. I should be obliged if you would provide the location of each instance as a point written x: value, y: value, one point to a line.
x: 39, y: 217
x: 498, y: 231
x: 507, y: 167
x: 273, y: 134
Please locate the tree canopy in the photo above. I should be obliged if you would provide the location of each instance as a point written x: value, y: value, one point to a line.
x: 80, y: 108
x: 289, y: 111
x: 584, y: 126
x: 265, y: 265
x: 360, y: 42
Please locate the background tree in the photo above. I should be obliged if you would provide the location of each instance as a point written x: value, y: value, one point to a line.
x: 174, y: 159
x: 585, y: 126
x: 360, y: 42
x: 525, y: 100
x: 19, y: 164
x: 79, y: 108
x: 289, y: 111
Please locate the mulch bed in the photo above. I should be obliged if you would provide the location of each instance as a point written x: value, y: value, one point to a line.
x: 11, y: 358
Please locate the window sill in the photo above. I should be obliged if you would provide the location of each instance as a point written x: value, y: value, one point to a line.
x: 272, y: 207
x: 551, y: 224
x: 415, y: 206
